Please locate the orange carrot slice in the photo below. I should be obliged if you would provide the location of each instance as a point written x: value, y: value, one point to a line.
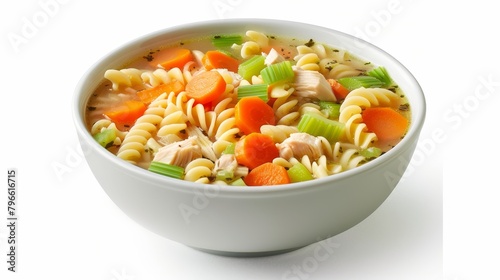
x: 385, y: 122
x: 150, y: 94
x: 206, y: 87
x: 128, y: 113
x: 216, y: 59
x: 267, y: 174
x: 172, y: 57
x: 255, y: 149
x: 339, y: 90
x: 251, y: 113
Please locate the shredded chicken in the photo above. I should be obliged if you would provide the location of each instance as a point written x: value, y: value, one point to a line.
x: 273, y: 57
x: 312, y: 84
x: 203, y: 141
x: 299, y: 145
x: 179, y: 153
x: 227, y: 164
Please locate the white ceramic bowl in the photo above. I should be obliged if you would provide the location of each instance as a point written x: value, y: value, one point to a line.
x: 249, y: 221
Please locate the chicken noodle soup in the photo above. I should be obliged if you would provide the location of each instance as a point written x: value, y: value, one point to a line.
x: 248, y: 109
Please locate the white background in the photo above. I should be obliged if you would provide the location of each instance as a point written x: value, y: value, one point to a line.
x: 439, y: 223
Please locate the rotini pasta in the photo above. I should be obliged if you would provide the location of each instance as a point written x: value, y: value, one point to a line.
x: 260, y: 38
x: 347, y: 156
x: 205, y: 138
x: 309, y: 61
x: 278, y: 132
x: 285, y: 109
x: 132, y: 77
x: 350, y: 112
x: 103, y: 124
x: 199, y: 170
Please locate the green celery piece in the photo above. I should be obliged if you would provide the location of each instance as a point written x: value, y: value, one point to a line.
x: 278, y: 72
x: 224, y: 175
x: 106, y: 137
x: 251, y: 67
x: 331, y: 108
x: 259, y: 90
x: 166, y: 169
x: 229, y: 149
x: 352, y: 83
x: 371, y: 152
x: 317, y: 125
x: 226, y: 41
x: 299, y: 173
x: 381, y: 74
x: 238, y: 183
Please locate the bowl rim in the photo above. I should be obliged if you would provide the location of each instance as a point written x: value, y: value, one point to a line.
x: 416, y: 124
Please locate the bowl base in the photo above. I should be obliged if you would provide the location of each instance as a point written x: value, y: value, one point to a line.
x: 246, y: 254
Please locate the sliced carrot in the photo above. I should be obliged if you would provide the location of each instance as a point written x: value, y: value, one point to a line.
x: 216, y: 59
x: 251, y: 113
x: 385, y: 122
x: 255, y: 149
x: 172, y: 57
x: 150, y: 94
x: 128, y: 113
x: 338, y: 89
x: 206, y: 87
x: 267, y: 174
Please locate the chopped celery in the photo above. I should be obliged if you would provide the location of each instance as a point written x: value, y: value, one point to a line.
x: 226, y: 41
x: 251, y: 67
x: 224, y: 175
x: 259, y: 90
x: 299, y: 173
x: 381, y: 74
x: 229, y: 149
x: 317, y: 125
x: 332, y: 109
x: 238, y: 183
x: 352, y: 83
x: 166, y: 169
x: 371, y: 152
x: 278, y: 72
x: 106, y: 137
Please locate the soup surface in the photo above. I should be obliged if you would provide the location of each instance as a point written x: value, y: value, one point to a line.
x: 249, y: 109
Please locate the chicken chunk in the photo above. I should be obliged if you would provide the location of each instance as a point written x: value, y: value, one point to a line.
x: 227, y: 165
x: 179, y: 153
x: 299, y: 145
x: 273, y: 57
x: 313, y: 85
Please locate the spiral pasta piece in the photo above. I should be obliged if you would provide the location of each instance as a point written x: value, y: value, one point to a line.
x: 311, y: 108
x: 145, y: 127
x: 258, y: 37
x: 132, y: 77
x: 278, y: 132
x: 103, y: 124
x: 125, y: 77
x: 318, y: 168
x: 308, y: 61
x: 347, y: 156
x: 350, y: 112
x: 337, y: 70
x: 371, y: 97
x: 249, y: 49
x: 99, y: 125
x: 174, y: 121
x: 156, y: 77
x: 199, y: 170
x: 285, y: 110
